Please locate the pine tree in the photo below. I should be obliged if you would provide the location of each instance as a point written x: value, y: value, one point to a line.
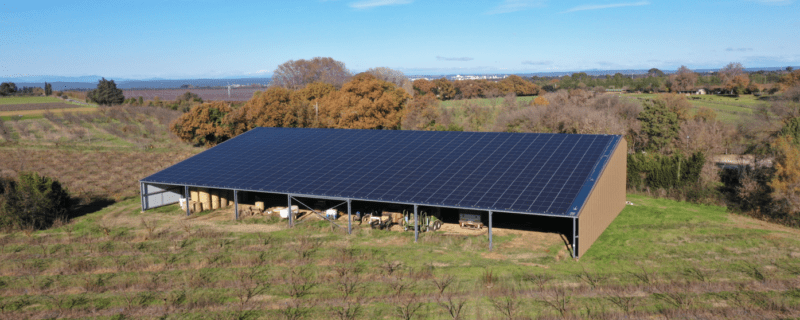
x: 106, y: 93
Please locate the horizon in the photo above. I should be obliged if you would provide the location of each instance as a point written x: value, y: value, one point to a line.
x: 213, y: 40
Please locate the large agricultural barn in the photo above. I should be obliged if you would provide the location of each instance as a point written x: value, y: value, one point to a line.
x: 574, y: 181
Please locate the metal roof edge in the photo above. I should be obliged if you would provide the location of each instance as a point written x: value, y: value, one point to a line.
x: 588, y: 186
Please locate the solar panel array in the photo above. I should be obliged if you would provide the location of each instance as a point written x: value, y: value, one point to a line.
x: 511, y: 172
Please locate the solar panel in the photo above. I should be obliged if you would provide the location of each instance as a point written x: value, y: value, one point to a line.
x: 533, y: 173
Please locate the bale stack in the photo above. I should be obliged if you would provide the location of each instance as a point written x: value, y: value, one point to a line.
x: 214, y: 199
x: 194, y: 199
x: 205, y: 199
x: 223, y: 198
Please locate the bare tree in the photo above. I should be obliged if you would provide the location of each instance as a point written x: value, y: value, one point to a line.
x: 452, y: 302
x: 406, y: 307
x: 298, y: 281
x: 507, y: 303
x: 684, y: 79
x: 296, y: 74
x: 394, y: 76
x: 558, y: 299
x: 250, y: 283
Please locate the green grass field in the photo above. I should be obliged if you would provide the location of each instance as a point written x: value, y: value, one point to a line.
x: 28, y: 100
x: 483, y: 102
x: 729, y: 109
x: 658, y: 259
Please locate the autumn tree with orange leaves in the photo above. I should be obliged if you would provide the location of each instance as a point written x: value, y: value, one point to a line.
x: 204, y: 124
x: 363, y: 103
x: 271, y: 108
x: 786, y: 180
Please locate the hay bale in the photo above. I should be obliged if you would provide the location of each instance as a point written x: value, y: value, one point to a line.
x: 260, y: 205
x: 223, y: 198
x: 214, y: 199
x: 193, y: 195
x: 397, y: 217
x: 205, y: 198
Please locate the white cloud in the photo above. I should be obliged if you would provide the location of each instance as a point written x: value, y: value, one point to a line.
x: 366, y: 4
x: 516, y: 5
x: 607, y: 6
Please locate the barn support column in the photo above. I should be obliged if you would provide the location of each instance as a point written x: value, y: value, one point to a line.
x: 349, y: 219
x: 236, y: 204
x: 574, y: 238
x: 141, y: 193
x: 490, y: 231
x: 416, y: 228
x: 289, y: 208
x: 186, y: 191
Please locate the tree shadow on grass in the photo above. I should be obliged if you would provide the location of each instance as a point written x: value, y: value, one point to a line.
x: 89, y: 205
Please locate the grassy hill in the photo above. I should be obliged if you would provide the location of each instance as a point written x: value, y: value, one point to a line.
x: 659, y: 259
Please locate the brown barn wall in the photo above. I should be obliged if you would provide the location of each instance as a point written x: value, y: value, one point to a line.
x: 606, y: 200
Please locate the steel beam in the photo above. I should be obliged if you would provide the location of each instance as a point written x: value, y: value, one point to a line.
x: 574, y: 237
x: 416, y: 224
x: 349, y: 219
x: 236, y: 204
x: 186, y: 190
x: 490, y: 231
x: 289, y: 208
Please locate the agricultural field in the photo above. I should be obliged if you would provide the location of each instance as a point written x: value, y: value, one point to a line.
x: 30, y: 107
x: 237, y: 94
x: 659, y: 259
x: 95, y: 154
x: 728, y: 109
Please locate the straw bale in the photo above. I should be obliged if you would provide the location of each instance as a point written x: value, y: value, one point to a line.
x: 193, y: 195
x: 223, y: 198
x: 260, y: 205
x: 205, y: 198
x: 214, y: 199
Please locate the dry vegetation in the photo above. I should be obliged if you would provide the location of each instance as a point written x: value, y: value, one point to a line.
x: 125, y: 264
x: 99, y: 154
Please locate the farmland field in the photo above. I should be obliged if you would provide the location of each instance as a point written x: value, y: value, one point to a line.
x: 237, y: 94
x: 728, y: 109
x: 659, y: 259
x: 37, y: 106
x: 95, y: 154
x: 28, y: 100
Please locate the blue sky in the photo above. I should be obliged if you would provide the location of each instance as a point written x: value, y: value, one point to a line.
x: 192, y: 39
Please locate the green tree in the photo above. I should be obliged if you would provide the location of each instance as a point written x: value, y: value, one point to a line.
x: 32, y: 201
x: 48, y: 89
x: 792, y: 129
x: 7, y: 88
x: 106, y: 93
x: 659, y: 124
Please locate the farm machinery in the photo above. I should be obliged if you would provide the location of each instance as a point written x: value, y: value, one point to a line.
x: 381, y: 221
x: 426, y: 222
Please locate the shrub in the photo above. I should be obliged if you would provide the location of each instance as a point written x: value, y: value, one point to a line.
x: 657, y: 171
x: 32, y: 201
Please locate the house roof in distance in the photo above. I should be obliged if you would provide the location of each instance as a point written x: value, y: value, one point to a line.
x: 528, y: 173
